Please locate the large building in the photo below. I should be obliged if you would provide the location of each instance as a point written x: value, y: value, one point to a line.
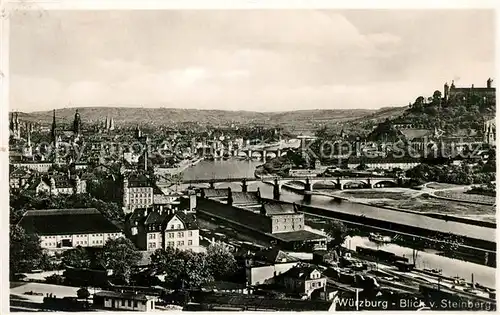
x: 270, y: 219
x: 69, y: 228
x: 453, y: 92
x: 138, y: 192
x: 489, y: 131
x: 59, y: 185
x: 152, y: 229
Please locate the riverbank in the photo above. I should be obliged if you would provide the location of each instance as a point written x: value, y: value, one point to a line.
x: 420, y: 202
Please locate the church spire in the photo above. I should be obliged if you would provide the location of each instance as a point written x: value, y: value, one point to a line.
x: 53, y: 132
x: 77, y: 124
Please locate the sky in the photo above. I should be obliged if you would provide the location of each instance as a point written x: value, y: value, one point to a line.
x: 258, y: 60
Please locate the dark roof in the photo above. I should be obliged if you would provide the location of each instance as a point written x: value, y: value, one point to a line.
x: 299, y: 236
x: 259, y: 302
x: 139, y: 180
x: 272, y: 208
x: 246, y: 198
x: 138, y: 215
x: 66, y: 221
x: 301, y: 272
x: 218, y: 193
x: 157, y: 218
x: 273, y: 255
x: 122, y: 295
x: 189, y: 220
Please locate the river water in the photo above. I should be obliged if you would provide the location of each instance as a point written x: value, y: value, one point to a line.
x: 235, y: 168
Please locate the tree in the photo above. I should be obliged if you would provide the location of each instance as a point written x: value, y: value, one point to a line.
x: 83, y: 293
x: 76, y: 257
x: 182, y: 269
x: 221, y: 261
x: 25, y: 251
x: 119, y: 255
x: 338, y: 233
x: 168, y: 262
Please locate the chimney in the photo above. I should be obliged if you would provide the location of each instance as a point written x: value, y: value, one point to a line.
x: 229, y: 196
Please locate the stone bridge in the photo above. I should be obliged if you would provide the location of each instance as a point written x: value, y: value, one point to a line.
x: 307, y: 182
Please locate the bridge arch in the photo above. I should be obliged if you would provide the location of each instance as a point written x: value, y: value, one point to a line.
x: 327, y: 184
x: 384, y: 183
x: 354, y: 183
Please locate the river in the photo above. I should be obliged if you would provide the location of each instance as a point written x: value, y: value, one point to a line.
x: 240, y: 168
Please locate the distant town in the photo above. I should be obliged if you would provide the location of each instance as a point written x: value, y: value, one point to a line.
x: 395, y: 213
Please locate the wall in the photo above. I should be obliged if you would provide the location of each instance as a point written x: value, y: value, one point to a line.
x: 181, y: 239
x: 287, y: 223
x: 154, y: 240
x: 253, y: 220
x: 143, y: 306
x: 84, y: 240
x: 138, y: 197
x: 266, y: 274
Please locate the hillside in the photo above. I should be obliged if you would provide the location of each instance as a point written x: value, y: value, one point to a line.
x: 161, y: 116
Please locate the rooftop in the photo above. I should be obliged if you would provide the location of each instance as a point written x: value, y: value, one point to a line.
x: 275, y: 208
x: 299, y: 236
x: 260, y: 302
x: 66, y: 221
x: 123, y: 295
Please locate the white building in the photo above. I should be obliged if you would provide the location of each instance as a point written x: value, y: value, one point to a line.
x: 153, y: 229
x: 69, y: 228
x: 124, y: 301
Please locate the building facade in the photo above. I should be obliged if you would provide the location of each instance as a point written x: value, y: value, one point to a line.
x: 137, y: 193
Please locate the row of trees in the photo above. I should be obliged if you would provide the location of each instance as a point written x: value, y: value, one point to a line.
x: 453, y: 174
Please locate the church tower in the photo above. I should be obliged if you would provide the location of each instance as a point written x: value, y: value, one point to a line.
x: 138, y: 133
x: 77, y: 124
x: 53, y: 135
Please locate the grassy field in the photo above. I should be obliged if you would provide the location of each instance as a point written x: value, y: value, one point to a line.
x: 467, y: 197
x: 372, y: 194
x: 441, y: 186
x: 427, y: 205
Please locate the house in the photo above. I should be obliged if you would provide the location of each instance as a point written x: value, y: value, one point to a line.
x: 126, y: 301
x: 41, y: 167
x: 302, y: 279
x: 19, y: 178
x: 69, y: 228
x: 59, y: 185
x: 137, y: 192
x: 266, y: 264
x: 151, y: 229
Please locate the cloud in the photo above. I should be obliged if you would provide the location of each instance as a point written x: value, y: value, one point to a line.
x: 268, y: 59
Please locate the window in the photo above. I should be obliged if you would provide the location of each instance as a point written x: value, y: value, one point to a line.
x: 178, y: 226
x: 180, y: 234
x: 135, y: 303
x: 190, y: 233
x: 180, y: 243
x: 190, y: 242
x: 171, y: 244
x: 172, y: 227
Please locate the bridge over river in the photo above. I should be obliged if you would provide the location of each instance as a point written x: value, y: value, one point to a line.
x: 327, y: 206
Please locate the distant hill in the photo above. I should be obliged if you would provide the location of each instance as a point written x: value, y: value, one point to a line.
x: 162, y: 116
